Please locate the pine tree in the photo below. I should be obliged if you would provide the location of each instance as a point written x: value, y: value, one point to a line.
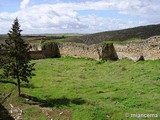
x: 17, y: 62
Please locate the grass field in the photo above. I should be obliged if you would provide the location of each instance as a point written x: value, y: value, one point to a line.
x: 85, y: 89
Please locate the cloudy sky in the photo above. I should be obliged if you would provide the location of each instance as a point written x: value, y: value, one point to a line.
x: 77, y: 16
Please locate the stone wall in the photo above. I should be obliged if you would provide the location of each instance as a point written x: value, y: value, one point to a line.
x: 108, y: 52
x: 37, y: 55
x: 148, y: 49
x: 80, y: 50
x: 35, y: 46
x: 51, y: 50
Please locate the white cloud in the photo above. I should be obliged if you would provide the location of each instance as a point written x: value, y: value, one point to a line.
x: 24, y: 3
x: 147, y: 9
x: 64, y: 17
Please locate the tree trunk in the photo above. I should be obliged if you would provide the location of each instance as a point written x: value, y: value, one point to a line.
x: 18, y: 85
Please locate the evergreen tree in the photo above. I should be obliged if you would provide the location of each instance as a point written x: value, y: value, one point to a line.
x: 17, y: 62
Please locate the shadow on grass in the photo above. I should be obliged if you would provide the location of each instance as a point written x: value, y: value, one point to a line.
x: 22, y: 85
x: 50, y: 102
x: 6, y: 81
x: 4, y: 114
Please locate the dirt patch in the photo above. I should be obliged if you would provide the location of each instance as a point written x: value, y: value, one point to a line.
x: 57, y: 114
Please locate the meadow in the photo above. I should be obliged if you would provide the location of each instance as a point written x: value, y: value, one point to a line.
x: 84, y: 89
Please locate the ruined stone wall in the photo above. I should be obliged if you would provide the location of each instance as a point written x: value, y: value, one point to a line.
x: 148, y: 49
x: 36, y: 46
x: 80, y: 50
x: 50, y: 50
x: 108, y: 52
x: 37, y: 55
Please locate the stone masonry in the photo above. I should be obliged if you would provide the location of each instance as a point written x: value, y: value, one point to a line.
x: 148, y: 49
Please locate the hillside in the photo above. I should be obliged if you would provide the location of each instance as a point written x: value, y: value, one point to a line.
x: 36, y: 38
x: 142, y: 32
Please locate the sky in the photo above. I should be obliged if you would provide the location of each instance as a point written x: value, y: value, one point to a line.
x: 77, y: 16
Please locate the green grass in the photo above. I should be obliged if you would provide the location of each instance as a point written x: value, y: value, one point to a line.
x: 85, y: 89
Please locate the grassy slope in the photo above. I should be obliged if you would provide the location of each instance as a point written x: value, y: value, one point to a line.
x: 85, y: 89
x: 141, y: 32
